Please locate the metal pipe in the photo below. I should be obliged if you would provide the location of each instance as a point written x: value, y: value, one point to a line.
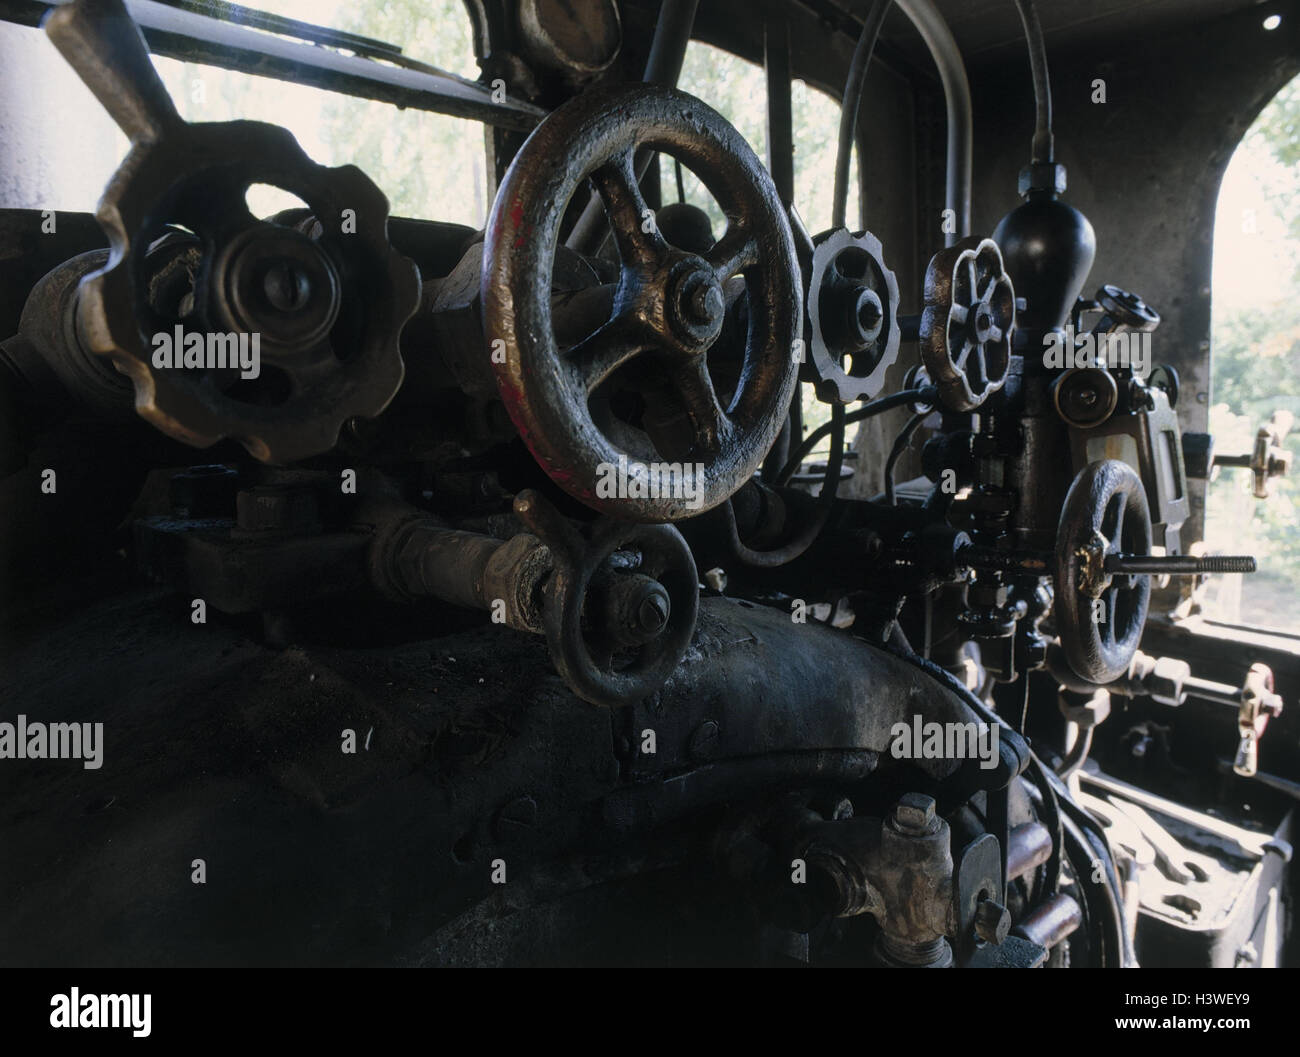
x: 668, y: 46
x: 1042, y: 150
x: 849, y: 104
x: 938, y: 38
x: 1051, y: 921
x: 780, y: 116
x: 663, y: 66
x: 1028, y: 847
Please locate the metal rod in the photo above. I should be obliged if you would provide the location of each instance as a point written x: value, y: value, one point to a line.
x: 1179, y: 564
x: 191, y: 37
x: 668, y: 46
x: 1042, y: 563
x: 664, y: 66
x: 780, y: 113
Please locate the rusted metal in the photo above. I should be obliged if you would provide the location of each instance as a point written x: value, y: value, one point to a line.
x: 632, y: 656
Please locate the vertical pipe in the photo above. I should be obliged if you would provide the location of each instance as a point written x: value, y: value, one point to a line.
x: 663, y: 66
x: 956, y: 90
x: 780, y: 113
x: 850, y: 103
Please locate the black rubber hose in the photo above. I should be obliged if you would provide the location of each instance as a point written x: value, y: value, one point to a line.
x: 926, y: 394
x: 788, y: 552
x: 901, y: 442
x: 854, y: 85
x: 1043, y: 148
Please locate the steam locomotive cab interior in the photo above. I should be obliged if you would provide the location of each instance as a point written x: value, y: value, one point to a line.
x: 673, y: 549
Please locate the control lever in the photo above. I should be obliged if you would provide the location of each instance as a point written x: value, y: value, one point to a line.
x: 1169, y: 681
x: 1269, y: 458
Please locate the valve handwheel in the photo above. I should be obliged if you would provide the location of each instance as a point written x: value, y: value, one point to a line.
x: 326, y: 300
x: 1100, y: 615
x: 668, y: 306
x: 968, y: 322
x: 853, y: 317
x: 582, y: 650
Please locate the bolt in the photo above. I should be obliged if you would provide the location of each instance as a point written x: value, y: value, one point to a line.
x: 914, y: 814
x: 867, y: 316
x: 652, y: 614
x: 518, y: 814
x: 992, y: 921
x: 706, y: 303
x: 704, y: 740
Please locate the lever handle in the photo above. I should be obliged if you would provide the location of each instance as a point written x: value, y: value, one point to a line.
x: 1246, y: 762
x: 103, y: 44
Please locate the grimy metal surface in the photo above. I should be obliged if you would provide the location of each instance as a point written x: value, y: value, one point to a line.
x: 474, y: 751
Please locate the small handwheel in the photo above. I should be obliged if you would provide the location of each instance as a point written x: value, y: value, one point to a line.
x: 195, y: 281
x: 669, y: 307
x: 1100, y: 615
x: 646, y: 571
x: 852, y: 304
x: 1126, y: 310
x: 968, y: 322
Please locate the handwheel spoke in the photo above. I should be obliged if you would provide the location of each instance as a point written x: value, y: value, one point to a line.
x: 964, y: 355
x: 603, y: 351
x: 712, y: 427
x: 1115, y: 535
x: 733, y: 253
x: 1112, y: 616
x: 625, y: 208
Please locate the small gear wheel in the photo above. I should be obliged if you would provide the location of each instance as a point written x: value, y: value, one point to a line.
x: 968, y: 322
x: 852, y: 316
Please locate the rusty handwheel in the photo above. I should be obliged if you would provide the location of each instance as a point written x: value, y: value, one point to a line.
x: 625, y: 647
x: 968, y: 322
x: 853, y: 317
x: 195, y: 281
x: 668, y: 309
x: 1100, y: 615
